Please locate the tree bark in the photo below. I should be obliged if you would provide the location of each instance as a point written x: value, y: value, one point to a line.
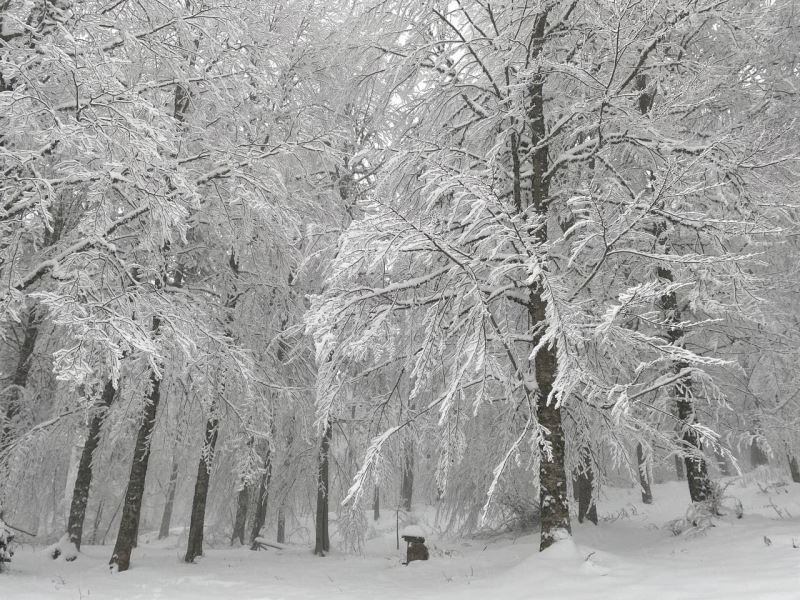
x: 83, y: 480
x: 696, y: 469
x: 131, y: 510
x: 19, y: 380
x: 376, y: 504
x: 794, y: 468
x: 322, y: 542
x: 553, y: 500
x: 584, y: 490
x: 695, y: 464
x: 172, y: 485
x: 240, y: 521
x: 260, y: 515
x: 281, y: 537
x: 197, y: 523
x: 644, y: 475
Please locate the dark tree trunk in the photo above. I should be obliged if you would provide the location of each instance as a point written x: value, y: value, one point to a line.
x: 323, y: 543
x: 376, y: 504
x: 195, y: 544
x: 553, y: 501
x: 83, y: 479
x: 131, y: 510
x: 172, y: 485
x: 281, y: 537
x: 240, y: 521
x: 696, y: 469
x: 584, y: 490
x: 19, y: 380
x: 644, y: 475
x: 260, y: 515
x: 794, y: 468
x: 407, y: 483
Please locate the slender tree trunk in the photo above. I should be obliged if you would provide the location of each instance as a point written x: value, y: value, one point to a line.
x: 131, y: 510
x: 195, y: 544
x: 281, y: 537
x: 240, y: 521
x: 323, y: 542
x: 679, y: 473
x: 83, y: 479
x: 19, y: 380
x: 98, y: 517
x: 407, y: 483
x: 172, y: 485
x: 584, y: 490
x: 260, y: 515
x: 376, y: 504
x: 794, y: 468
x: 644, y: 475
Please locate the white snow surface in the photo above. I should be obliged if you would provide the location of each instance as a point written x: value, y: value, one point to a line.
x: 631, y: 555
x: 413, y: 531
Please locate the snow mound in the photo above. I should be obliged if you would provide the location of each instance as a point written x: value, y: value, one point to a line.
x: 412, y: 531
x: 63, y: 549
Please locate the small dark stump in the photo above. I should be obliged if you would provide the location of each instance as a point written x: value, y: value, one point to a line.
x: 416, y: 549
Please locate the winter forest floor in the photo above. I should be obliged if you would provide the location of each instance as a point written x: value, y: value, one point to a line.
x: 630, y: 555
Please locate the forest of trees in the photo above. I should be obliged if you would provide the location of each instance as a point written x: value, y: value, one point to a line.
x: 262, y: 262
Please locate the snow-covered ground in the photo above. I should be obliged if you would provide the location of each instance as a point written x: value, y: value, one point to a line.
x: 631, y: 555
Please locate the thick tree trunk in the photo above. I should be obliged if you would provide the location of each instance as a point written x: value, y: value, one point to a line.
x: 240, y: 521
x: 794, y: 468
x: 407, y: 483
x: 83, y: 479
x: 322, y: 542
x: 376, y: 504
x: 260, y: 515
x: 696, y: 469
x: 553, y: 500
x: 131, y: 510
x: 172, y: 485
x: 644, y: 475
x: 197, y: 523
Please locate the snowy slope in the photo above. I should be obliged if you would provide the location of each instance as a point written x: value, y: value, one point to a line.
x: 631, y: 555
